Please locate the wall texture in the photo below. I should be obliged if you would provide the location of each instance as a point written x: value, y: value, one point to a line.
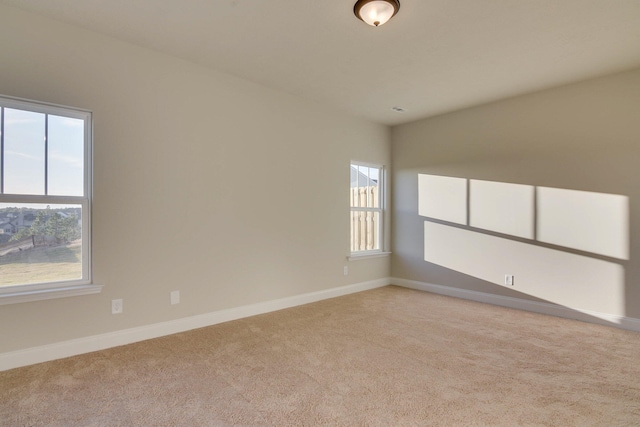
x: 584, y: 136
x: 227, y: 191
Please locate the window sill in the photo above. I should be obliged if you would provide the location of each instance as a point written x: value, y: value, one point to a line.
x: 365, y: 255
x: 15, y: 296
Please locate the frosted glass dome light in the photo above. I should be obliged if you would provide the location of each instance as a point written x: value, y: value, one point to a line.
x: 376, y: 12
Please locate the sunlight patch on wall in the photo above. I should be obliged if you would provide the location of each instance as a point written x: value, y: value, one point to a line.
x: 502, y: 207
x: 443, y: 197
x: 582, y: 220
x: 574, y: 281
x: 592, y: 222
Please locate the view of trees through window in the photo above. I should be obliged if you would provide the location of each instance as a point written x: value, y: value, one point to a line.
x: 40, y: 245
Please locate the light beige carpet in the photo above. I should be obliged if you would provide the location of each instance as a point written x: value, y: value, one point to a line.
x: 387, y: 357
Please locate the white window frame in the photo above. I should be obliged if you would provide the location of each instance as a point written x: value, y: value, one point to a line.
x: 380, y: 210
x: 10, y: 294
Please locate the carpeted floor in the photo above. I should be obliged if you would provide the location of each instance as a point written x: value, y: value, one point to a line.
x: 386, y: 357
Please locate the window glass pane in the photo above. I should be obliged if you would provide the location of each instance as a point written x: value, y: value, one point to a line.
x: 364, y: 176
x: 354, y: 176
x: 366, y: 179
x: 23, y: 152
x: 374, y: 189
x: 40, y: 243
x: 353, y: 194
x: 367, y: 188
x: 363, y: 182
x: 365, y: 231
x: 374, y: 174
x: 66, y: 156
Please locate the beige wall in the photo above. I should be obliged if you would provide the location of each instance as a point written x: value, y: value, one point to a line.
x: 227, y: 191
x: 584, y: 136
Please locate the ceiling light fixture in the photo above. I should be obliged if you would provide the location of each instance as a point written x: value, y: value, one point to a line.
x: 376, y: 12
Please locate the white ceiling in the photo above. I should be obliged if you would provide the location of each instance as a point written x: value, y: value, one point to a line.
x: 434, y: 56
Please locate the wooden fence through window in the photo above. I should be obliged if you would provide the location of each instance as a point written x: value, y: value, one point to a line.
x: 365, y: 224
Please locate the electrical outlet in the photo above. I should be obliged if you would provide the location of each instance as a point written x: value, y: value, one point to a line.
x: 346, y: 270
x: 508, y: 279
x: 116, y: 306
x: 175, y: 297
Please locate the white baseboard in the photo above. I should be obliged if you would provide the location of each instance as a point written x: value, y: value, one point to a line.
x: 30, y: 356
x: 74, y: 347
x: 617, y: 321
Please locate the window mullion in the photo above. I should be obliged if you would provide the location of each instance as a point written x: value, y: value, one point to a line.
x: 1, y: 150
x: 46, y: 154
x: 32, y: 198
x: 356, y: 209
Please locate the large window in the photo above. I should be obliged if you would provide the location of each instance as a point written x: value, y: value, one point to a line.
x: 366, y: 208
x: 45, y: 199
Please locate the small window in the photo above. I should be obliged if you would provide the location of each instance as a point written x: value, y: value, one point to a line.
x: 367, y: 206
x: 45, y: 197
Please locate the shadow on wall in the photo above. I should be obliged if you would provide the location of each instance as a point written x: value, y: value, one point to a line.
x: 562, y: 246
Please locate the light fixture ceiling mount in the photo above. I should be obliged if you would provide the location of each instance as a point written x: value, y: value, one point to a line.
x: 376, y: 12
